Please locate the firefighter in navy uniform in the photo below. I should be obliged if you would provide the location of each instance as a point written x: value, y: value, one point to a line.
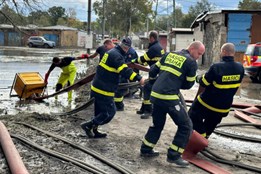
x: 105, y: 84
x: 119, y: 94
x: 216, y: 91
x: 154, y: 54
x: 176, y: 70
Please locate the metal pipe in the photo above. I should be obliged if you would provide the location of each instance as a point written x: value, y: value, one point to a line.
x: 12, y: 156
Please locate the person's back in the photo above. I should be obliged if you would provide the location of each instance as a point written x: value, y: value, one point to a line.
x: 227, y: 76
x: 222, y: 81
x: 175, y: 71
x: 216, y: 91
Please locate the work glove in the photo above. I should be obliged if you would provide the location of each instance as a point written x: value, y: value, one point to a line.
x: 85, y: 56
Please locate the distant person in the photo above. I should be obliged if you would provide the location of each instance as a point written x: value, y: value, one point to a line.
x: 104, y: 85
x: 154, y: 54
x: 216, y: 91
x: 101, y: 50
x: 175, y: 70
x: 68, y: 73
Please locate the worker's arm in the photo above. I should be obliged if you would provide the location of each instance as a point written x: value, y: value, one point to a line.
x: 83, y: 56
x: 46, y: 77
x: 93, y: 55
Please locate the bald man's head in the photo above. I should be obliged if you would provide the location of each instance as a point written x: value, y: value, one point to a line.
x: 196, y: 49
x: 228, y: 49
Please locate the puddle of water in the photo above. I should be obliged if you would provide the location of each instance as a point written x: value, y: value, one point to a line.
x: 32, y: 60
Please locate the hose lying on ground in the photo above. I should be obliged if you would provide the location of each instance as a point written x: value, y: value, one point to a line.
x: 252, y: 139
x: 86, y: 105
x: 59, y: 155
x: 229, y: 162
x: 84, y: 149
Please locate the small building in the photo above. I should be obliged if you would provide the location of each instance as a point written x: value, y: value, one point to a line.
x: 180, y: 38
x: 63, y: 36
x: 215, y: 28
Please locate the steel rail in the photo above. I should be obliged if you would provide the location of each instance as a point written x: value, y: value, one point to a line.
x: 84, y: 149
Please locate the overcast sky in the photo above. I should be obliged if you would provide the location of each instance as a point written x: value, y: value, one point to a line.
x: 81, y: 6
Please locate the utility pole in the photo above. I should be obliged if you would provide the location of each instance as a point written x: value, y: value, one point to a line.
x: 155, y: 18
x: 147, y: 25
x: 103, y: 18
x: 174, y: 13
x: 89, y: 22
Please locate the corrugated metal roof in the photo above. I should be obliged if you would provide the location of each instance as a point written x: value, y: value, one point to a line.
x: 6, y: 26
x: 181, y: 29
x: 202, y: 16
x: 58, y: 27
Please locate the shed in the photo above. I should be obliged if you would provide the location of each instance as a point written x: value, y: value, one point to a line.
x: 215, y: 28
x: 62, y: 35
x: 180, y: 38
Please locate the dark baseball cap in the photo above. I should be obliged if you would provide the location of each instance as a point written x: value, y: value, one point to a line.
x: 126, y: 41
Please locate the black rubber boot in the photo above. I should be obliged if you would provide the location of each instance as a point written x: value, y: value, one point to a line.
x: 175, y: 157
x: 98, y: 134
x: 119, y: 106
x: 141, y: 111
x: 146, y: 151
x: 88, y: 128
x: 147, y: 112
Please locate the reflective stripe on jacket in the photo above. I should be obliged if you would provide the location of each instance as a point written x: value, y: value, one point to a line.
x: 177, y: 70
x: 221, y: 81
x: 154, y: 54
x: 108, y: 71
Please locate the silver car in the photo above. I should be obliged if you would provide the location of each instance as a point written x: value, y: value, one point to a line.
x: 40, y: 41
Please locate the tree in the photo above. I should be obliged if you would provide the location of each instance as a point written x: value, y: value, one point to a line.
x: 16, y: 8
x: 200, y: 7
x: 56, y: 13
x: 179, y: 17
x: 249, y: 5
x: 39, y: 18
x: 123, y: 16
x: 71, y: 13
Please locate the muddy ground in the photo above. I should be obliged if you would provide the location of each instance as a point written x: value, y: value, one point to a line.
x: 125, y: 133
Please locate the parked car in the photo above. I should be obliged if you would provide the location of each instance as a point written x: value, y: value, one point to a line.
x: 40, y: 41
x: 252, y: 62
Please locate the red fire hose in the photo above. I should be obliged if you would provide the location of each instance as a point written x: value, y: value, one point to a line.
x: 14, y: 160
